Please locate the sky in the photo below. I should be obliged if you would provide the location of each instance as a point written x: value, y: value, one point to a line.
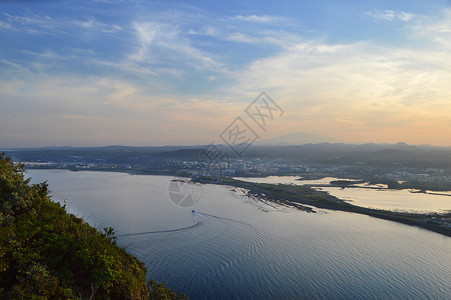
x: 149, y: 73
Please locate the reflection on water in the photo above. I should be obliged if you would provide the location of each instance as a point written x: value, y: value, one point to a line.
x: 234, y: 247
x: 373, y: 198
x: 392, y: 199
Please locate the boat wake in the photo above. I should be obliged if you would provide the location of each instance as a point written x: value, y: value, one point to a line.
x: 200, y: 214
x: 215, y: 248
x: 162, y: 231
x: 221, y: 218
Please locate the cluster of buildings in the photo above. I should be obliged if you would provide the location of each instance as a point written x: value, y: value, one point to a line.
x: 442, y: 221
x: 253, y: 167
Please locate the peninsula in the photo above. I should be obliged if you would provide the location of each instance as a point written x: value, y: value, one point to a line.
x: 305, y: 197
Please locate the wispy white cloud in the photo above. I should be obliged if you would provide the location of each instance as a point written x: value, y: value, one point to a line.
x: 126, y: 66
x: 436, y: 29
x: 257, y: 18
x: 36, y: 24
x: 29, y: 19
x: 6, y: 26
x: 243, y: 38
x: 208, y: 30
x: 112, y: 29
x: 47, y: 54
x: 96, y: 25
x: 30, y: 23
x: 391, y: 15
x: 87, y: 24
x: 165, y: 42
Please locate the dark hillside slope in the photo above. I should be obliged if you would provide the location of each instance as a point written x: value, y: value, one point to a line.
x: 50, y: 254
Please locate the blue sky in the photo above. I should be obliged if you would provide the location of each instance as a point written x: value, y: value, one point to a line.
x: 88, y: 73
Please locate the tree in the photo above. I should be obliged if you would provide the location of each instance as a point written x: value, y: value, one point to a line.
x: 47, y: 253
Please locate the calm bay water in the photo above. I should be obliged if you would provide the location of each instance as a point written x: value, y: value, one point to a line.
x: 234, y: 247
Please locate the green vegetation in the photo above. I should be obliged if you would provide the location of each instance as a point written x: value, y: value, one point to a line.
x: 47, y: 253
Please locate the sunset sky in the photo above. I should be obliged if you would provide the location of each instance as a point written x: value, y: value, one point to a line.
x: 93, y: 73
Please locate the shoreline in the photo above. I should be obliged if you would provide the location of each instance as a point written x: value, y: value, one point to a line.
x: 296, y: 196
x: 299, y: 196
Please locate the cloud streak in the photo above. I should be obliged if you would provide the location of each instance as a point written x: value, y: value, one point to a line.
x: 391, y: 15
x: 257, y: 18
x: 164, y: 76
x: 161, y: 41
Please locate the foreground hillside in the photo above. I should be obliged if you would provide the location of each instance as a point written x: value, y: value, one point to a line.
x: 46, y: 252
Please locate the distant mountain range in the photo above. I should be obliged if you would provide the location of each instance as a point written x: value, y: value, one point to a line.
x: 289, y: 148
x: 297, y: 138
